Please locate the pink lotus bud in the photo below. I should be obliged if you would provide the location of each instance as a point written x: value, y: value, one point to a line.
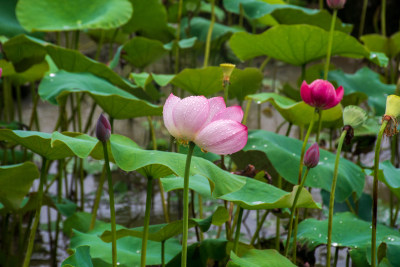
x: 336, y: 4
x: 321, y: 94
x: 206, y: 122
x: 311, y: 158
x: 103, y: 129
x: 1, y: 71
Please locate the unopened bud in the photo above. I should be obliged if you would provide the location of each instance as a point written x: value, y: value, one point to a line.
x: 336, y: 4
x: 311, y: 158
x: 103, y: 129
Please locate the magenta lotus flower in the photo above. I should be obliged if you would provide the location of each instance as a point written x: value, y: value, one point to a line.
x: 206, y: 122
x: 311, y: 158
x: 321, y: 94
x: 103, y: 129
x: 336, y: 4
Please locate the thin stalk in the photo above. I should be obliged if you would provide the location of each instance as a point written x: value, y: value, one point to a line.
x: 112, y: 206
x: 146, y: 221
x: 375, y: 193
x: 296, y: 222
x: 319, y: 125
x: 209, y: 33
x: 237, y: 234
x: 186, y: 204
x: 246, y: 112
x: 37, y: 214
x: 278, y: 220
x: 362, y: 20
x: 292, y: 211
x: 336, y: 257
x: 332, y: 198
x: 163, y: 253
x: 200, y: 200
x: 99, y: 45
x: 226, y: 91
x: 81, y: 184
x: 89, y: 121
x: 321, y: 4
x: 97, y: 198
x: 264, y: 64
x: 76, y: 38
x: 19, y: 103
x: 330, y: 41
x: 383, y: 17
x: 259, y: 226
x: 303, y: 149
x: 177, y: 37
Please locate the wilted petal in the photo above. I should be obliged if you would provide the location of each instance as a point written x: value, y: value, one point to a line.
x: 305, y: 93
x: 234, y: 113
x: 189, y: 116
x: 222, y: 137
x: 217, y: 104
x: 169, y: 106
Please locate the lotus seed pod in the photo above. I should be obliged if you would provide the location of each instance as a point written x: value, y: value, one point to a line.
x: 354, y: 116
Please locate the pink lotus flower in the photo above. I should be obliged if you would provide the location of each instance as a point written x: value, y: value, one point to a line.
x: 311, y: 158
x: 336, y: 4
x: 321, y: 94
x: 103, y: 129
x: 206, y: 122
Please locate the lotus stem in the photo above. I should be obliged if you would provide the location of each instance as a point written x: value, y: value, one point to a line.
x: 186, y: 204
x: 303, y: 149
x: 37, y: 214
x: 332, y: 198
x: 362, y: 20
x: 319, y: 124
x: 383, y: 17
x: 375, y: 193
x: 246, y: 112
x: 177, y: 37
x: 259, y: 226
x: 330, y: 41
x: 163, y: 253
x: 97, y: 198
x: 112, y: 206
x: 292, y: 211
x: 146, y: 221
x: 209, y: 34
x: 237, y: 234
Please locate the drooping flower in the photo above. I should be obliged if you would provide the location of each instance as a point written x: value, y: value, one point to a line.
x: 311, y: 158
x: 336, y: 4
x: 392, y: 112
x: 103, y: 129
x: 321, y: 94
x: 206, y: 122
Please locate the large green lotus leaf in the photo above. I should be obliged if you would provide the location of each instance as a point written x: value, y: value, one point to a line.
x: 347, y: 231
x: 297, y: 113
x: 284, y: 154
x: 259, y: 258
x: 129, y: 158
x: 48, y: 15
x: 149, y: 19
x: 390, y: 46
x: 295, y: 44
x: 254, y: 195
x: 15, y: 183
x: 182, y: 44
x: 205, y: 81
x: 244, y: 82
x: 389, y: 175
x: 199, y: 28
x: 80, y: 257
x: 390, y: 246
x: 162, y: 232
x: 141, y: 51
x: 32, y: 74
x: 128, y: 247
x: 286, y: 14
x: 374, y: 89
x: 118, y: 103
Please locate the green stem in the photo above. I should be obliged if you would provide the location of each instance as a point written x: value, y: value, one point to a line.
x: 99, y: 45
x: 296, y: 222
x: 383, y: 17
x: 278, y: 219
x: 90, y: 118
x: 259, y: 226
x: 292, y: 211
x: 209, y: 34
x: 264, y: 64
x: 19, y: 103
x: 146, y: 221
x: 336, y: 257
x: 246, y: 112
x: 112, y: 206
x: 362, y: 20
x: 319, y: 125
x: 332, y: 198
x: 303, y: 149
x: 375, y: 193
x: 37, y: 214
x: 163, y: 253
x: 186, y: 204
x: 226, y: 91
x: 77, y: 33
x: 321, y: 4
x: 237, y: 234
x: 330, y: 41
x: 177, y: 37
x: 97, y: 199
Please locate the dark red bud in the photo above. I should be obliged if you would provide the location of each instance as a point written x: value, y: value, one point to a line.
x: 311, y: 157
x: 103, y: 129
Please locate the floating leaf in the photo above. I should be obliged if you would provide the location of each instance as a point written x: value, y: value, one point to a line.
x: 15, y: 183
x: 297, y: 113
x: 347, y: 231
x: 118, y: 103
x: 284, y: 155
x: 295, y: 44
x: 259, y: 258
x: 374, y: 90
x: 141, y: 51
x: 50, y: 15
x: 80, y: 257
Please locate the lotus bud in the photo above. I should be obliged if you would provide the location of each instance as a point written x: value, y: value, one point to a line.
x: 336, y: 4
x: 1, y: 71
x: 311, y: 158
x: 103, y: 129
x: 227, y: 70
x: 391, y: 114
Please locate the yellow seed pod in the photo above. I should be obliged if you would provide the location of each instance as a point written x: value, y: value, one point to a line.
x: 227, y: 70
x: 393, y: 106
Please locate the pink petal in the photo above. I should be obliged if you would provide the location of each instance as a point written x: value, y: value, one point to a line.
x: 217, y: 104
x: 169, y: 106
x: 305, y: 93
x: 234, y: 113
x: 222, y: 137
x: 322, y: 93
x: 189, y: 116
